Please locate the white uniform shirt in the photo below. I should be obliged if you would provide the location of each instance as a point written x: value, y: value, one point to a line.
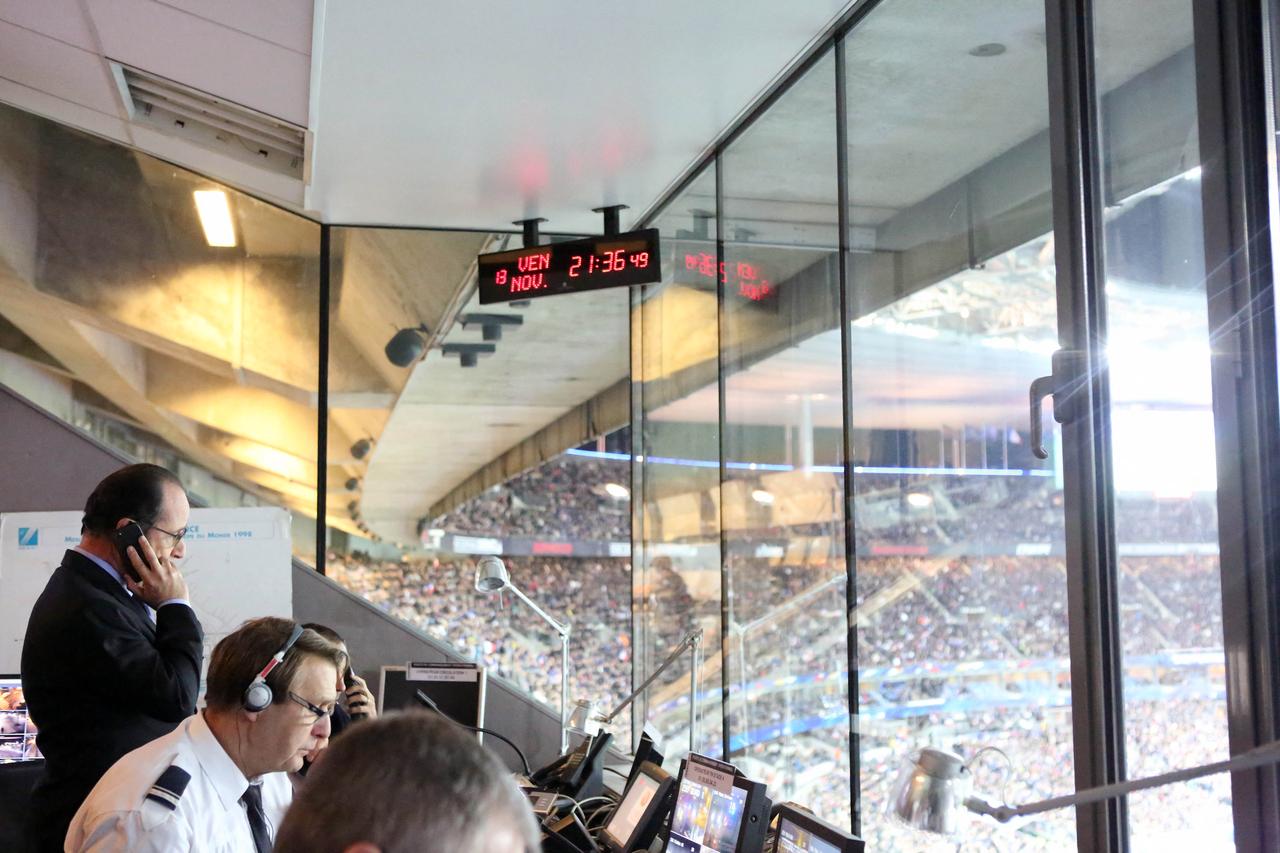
x: 207, y: 817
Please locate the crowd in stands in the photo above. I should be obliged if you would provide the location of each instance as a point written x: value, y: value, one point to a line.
x: 789, y: 662
x: 438, y: 597
x: 563, y: 499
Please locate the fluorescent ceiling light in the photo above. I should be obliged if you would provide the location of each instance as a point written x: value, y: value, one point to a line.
x: 215, y: 217
x: 760, y: 496
x: 616, y: 490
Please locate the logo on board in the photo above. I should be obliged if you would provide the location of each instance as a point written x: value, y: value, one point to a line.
x: 28, y: 537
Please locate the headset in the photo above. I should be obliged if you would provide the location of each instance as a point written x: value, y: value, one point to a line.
x: 258, y: 696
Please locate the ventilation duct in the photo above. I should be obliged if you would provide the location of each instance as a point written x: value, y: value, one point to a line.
x: 211, y: 122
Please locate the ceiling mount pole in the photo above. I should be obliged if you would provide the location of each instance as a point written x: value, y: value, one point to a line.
x: 530, y: 228
x: 610, y: 212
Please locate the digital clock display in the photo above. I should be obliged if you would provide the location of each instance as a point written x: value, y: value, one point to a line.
x: 619, y: 260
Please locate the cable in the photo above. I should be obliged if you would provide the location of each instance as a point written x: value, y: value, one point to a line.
x: 577, y: 810
x: 430, y: 703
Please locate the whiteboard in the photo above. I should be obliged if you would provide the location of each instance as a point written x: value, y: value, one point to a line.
x: 238, y: 565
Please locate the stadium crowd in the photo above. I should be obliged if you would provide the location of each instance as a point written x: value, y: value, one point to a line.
x: 564, y: 498
x: 787, y: 655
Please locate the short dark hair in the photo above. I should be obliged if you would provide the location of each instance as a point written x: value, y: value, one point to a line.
x: 242, y: 654
x: 324, y: 631
x: 405, y: 782
x: 135, y: 491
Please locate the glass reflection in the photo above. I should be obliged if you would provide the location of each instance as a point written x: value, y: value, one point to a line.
x: 196, y: 353
x: 781, y: 501
x: 1163, y: 461
x: 676, y: 580
x: 960, y: 577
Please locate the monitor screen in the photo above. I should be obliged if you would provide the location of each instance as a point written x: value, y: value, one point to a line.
x: 709, y: 809
x: 629, y: 812
x: 794, y: 839
x: 17, y: 732
x: 457, y: 689
x: 802, y: 832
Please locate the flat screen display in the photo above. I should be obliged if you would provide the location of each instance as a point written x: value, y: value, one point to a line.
x: 17, y: 732
x: 795, y: 839
x: 458, y: 689
x: 708, y: 811
x: 573, y: 266
x: 629, y: 812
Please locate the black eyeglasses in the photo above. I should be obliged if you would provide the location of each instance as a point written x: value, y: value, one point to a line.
x: 317, y: 712
x: 177, y: 537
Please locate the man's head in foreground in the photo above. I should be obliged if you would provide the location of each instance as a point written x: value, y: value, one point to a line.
x: 407, y: 783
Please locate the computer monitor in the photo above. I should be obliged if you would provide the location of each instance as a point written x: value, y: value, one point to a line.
x: 17, y: 732
x: 717, y: 810
x: 646, y: 750
x: 800, y: 832
x: 643, y: 808
x: 457, y: 688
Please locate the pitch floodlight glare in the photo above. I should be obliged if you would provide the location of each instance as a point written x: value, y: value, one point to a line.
x: 215, y: 218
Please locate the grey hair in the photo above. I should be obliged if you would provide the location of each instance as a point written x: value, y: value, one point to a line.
x: 408, y: 782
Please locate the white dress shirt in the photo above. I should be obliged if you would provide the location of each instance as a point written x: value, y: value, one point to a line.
x: 206, y: 817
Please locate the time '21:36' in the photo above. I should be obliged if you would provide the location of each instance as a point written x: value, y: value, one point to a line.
x: 607, y: 262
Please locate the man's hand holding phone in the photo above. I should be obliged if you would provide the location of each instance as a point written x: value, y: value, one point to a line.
x: 360, y: 702
x: 158, y: 580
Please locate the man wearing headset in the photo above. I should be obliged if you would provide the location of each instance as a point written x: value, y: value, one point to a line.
x: 219, y: 781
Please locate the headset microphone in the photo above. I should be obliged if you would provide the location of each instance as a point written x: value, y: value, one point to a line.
x: 258, y: 696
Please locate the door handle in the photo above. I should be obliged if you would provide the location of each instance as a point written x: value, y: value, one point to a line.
x: 1040, y: 388
x: 1068, y: 366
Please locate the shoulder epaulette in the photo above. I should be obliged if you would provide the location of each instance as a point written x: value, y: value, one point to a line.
x: 167, y: 790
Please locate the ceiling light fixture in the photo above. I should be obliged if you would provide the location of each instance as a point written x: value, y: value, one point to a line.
x: 491, y: 325
x: 468, y: 354
x: 361, y: 448
x: 761, y: 496
x: 919, y: 500
x: 617, y: 491
x: 215, y: 218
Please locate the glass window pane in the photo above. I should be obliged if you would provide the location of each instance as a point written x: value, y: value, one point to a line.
x: 960, y: 578
x: 782, y: 499
x: 1162, y: 422
x: 676, y: 531
x: 173, y: 318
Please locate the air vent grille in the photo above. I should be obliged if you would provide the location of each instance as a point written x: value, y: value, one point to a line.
x: 211, y: 122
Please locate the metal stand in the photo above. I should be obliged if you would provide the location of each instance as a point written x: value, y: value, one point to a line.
x: 692, y: 640
x: 563, y: 629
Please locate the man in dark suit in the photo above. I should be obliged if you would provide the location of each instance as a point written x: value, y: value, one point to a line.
x: 110, y: 661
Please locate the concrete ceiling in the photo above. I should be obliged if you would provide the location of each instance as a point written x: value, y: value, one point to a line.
x: 472, y: 115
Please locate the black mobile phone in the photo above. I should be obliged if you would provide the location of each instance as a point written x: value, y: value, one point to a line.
x: 130, y: 534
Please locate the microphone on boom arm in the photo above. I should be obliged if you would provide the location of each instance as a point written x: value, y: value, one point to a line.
x: 430, y: 703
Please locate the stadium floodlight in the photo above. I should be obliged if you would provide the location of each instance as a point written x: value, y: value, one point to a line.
x: 491, y: 577
x: 934, y: 788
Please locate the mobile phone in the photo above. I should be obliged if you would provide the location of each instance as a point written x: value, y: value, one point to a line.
x: 129, y: 535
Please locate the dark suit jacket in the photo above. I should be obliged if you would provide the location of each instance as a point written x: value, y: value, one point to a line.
x: 100, y: 680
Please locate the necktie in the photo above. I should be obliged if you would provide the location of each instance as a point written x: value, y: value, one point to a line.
x: 252, y: 800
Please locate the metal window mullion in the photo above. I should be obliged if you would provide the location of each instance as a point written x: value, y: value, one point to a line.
x: 1233, y: 109
x: 723, y: 444
x: 846, y: 388
x: 322, y: 404
x: 1082, y: 403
